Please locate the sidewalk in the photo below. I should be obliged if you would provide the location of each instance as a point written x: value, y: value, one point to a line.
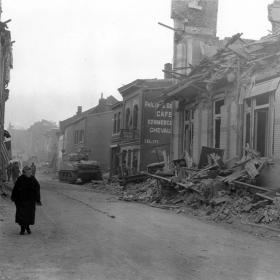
x: 7, y: 187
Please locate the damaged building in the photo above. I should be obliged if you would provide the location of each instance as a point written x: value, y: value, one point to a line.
x: 142, y: 128
x: 6, y: 62
x: 226, y: 93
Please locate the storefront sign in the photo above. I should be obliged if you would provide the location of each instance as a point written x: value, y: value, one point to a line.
x: 157, y: 126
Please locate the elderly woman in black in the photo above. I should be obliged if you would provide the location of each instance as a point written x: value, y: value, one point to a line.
x: 25, y: 195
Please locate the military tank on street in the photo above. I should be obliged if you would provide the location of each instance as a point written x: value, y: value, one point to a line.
x: 77, y: 168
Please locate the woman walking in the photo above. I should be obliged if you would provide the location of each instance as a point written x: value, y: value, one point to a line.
x: 25, y: 195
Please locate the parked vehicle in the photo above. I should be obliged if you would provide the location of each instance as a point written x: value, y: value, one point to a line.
x: 77, y: 168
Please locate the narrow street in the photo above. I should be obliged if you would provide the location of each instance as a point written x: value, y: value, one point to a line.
x: 77, y: 237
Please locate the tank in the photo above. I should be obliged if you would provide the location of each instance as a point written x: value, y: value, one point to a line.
x: 77, y: 168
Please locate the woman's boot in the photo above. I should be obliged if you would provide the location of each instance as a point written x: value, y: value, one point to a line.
x: 28, y: 229
x: 22, y: 230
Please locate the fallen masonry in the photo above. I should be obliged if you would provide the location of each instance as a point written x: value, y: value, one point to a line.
x: 218, y: 192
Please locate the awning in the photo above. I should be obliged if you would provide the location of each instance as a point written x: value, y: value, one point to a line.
x: 182, y: 90
x: 264, y: 87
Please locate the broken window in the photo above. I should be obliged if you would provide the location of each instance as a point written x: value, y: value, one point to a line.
x: 217, y: 122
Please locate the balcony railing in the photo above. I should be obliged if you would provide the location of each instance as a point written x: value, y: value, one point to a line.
x: 129, y: 134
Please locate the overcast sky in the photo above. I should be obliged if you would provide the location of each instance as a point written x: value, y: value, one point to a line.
x: 67, y: 52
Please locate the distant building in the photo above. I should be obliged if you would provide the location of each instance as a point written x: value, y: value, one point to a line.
x: 51, y: 146
x: 91, y: 130
x: 37, y: 140
x: 141, y: 131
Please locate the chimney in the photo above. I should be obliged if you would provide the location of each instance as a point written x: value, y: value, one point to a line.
x: 79, y: 110
x: 167, y: 71
x: 102, y: 100
x: 274, y: 16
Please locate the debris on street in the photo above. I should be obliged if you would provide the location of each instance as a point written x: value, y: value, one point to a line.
x: 220, y: 193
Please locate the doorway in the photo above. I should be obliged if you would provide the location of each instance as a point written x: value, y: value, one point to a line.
x: 261, y: 129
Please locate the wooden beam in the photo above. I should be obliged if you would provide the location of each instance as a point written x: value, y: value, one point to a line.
x: 169, y: 27
x: 159, y: 177
x: 251, y: 186
x: 265, y: 196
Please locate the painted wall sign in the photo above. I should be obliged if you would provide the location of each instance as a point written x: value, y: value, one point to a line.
x: 157, y: 120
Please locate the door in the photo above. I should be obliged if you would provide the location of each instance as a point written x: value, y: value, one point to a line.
x: 261, y: 129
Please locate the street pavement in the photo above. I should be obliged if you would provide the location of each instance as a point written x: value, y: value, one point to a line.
x: 80, y: 234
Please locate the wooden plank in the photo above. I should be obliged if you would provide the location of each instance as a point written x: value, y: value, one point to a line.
x: 251, y: 186
x: 159, y: 177
x: 265, y: 196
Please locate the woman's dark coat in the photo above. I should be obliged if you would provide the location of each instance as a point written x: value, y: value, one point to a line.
x: 25, y: 194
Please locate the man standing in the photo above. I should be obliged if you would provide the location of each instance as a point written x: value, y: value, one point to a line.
x: 33, y: 169
x: 15, y: 171
x: 25, y: 195
x: 9, y: 171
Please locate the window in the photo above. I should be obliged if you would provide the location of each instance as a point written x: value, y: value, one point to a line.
x: 262, y: 100
x: 115, y: 124
x: 119, y: 122
x: 248, y: 128
x: 82, y: 136
x: 79, y: 136
x: 127, y: 118
x: 188, y: 131
x: 217, y: 122
x: 76, y: 137
x: 135, y: 117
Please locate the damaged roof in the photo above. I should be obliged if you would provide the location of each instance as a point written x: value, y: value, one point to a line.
x: 144, y: 83
x: 237, y: 60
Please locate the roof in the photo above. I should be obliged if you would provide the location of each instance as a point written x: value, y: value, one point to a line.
x: 117, y: 105
x: 144, y: 83
x: 237, y: 59
x: 104, y: 105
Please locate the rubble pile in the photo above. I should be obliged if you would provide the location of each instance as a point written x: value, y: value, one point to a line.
x: 270, y: 214
x: 213, y: 190
x: 104, y: 187
x: 147, y: 191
